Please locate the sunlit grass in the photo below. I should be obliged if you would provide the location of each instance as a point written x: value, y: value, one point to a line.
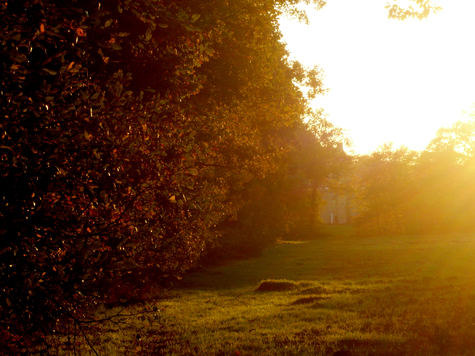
x: 411, y: 295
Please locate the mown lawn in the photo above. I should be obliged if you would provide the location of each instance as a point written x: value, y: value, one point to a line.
x: 411, y: 295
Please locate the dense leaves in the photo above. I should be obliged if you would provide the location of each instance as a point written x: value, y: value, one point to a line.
x: 130, y: 127
x: 284, y: 204
x: 385, y: 188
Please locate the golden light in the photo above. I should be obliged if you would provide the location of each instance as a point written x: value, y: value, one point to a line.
x: 390, y: 80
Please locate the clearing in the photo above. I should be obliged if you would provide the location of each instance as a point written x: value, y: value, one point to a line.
x: 398, y: 295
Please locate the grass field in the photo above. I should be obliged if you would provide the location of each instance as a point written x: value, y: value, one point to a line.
x: 411, y: 295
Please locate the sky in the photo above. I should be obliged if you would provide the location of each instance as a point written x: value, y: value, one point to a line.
x: 390, y: 81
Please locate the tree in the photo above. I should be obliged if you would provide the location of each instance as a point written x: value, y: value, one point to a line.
x: 385, y: 189
x: 88, y: 187
x: 428, y: 192
x: 284, y: 204
x: 128, y: 126
x: 458, y: 140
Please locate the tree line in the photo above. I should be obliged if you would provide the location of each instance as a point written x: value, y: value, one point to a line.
x: 138, y: 136
x: 407, y: 192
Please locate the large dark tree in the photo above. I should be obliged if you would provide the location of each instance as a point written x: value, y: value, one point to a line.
x: 128, y: 126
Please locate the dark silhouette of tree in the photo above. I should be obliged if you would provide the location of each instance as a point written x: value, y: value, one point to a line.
x: 127, y: 127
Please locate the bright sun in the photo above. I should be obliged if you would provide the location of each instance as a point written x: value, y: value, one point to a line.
x: 390, y: 80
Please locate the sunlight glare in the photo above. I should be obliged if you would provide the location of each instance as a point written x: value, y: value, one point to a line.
x: 389, y: 80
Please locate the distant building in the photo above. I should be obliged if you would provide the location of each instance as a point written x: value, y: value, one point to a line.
x: 336, y: 208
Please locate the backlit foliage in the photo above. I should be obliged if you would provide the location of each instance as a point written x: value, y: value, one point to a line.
x: 128, y: 127
x: 402, y: 191
x: 421, y: 10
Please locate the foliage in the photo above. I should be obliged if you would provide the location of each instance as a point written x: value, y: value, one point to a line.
x: 128, y: 126
x: 383, y: 187
x: 284, y: 203
x: 423, y: 9
x: 431, y: 191
x: 447, y: 173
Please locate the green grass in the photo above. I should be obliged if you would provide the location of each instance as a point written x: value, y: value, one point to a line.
x: 411, y: 295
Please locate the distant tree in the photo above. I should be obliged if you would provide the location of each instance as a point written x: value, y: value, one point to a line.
x: 446, y: 171
x: 385, y: 188
x: 457, y: 140
x: 402, y: 191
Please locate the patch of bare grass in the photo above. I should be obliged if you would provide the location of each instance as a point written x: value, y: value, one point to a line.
x: 307, y: 300
x: 276, y: 286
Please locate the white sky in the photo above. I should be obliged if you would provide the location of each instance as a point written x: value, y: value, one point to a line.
x: 390, y: 80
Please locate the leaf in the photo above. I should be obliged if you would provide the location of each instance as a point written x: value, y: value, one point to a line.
x: 9, y: 302
x: 189, y: 27
x: 193, y: 171
x: 172, y: 199
x: 162, y: 25
x: 130, y: 263
x: 148, y: 36
x: 104, y: 196
x: 195, y: 17
x: 95, y: 246
x: 52, y: 72
x: 122, y: 243
x: 87, y: 136
x: 108, y: 22
x: 116, y: 47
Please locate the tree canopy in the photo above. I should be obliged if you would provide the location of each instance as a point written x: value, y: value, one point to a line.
x: 404, y: 191
x: 129, y: 127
